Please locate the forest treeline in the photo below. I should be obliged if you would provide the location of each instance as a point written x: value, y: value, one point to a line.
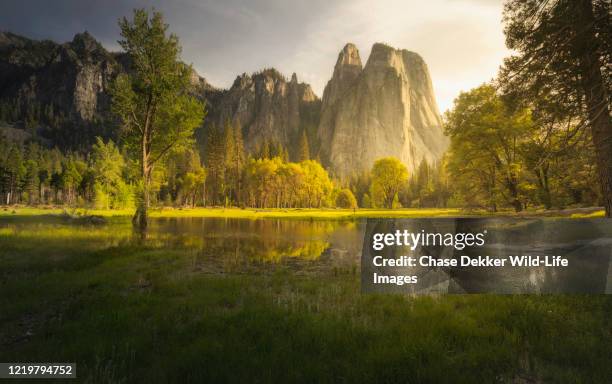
x: 489, y: 168
x: 537, y: 136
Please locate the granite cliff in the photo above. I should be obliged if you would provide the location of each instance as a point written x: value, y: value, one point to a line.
x: 268, y: 107
x: 386, y: 108
x: 59, y: 93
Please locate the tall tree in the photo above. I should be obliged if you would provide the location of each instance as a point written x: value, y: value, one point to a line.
x: 563, y: 55
x: 152, y: 100
x: 215, y: 162
x: 229, y: 152
x: 239, y: 159
x: 304, y: 148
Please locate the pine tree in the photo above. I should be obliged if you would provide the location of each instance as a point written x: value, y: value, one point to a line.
x: 562, y: 55
x: 215, y: 162
x: 265, y: 151
x: 239, y: 159
x: 229, y: 153
x: 304, y: 148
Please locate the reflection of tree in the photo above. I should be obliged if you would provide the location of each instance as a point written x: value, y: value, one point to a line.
x: 311, y: 250
x: 255, y: 249
x: 233, y: 244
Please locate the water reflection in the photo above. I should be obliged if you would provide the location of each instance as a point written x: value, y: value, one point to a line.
x: 214, y: 245
x: 586, y: 244
x: 236, y: 245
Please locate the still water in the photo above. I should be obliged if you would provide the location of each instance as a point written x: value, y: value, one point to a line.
x: 215, y: 245
x: 310, y: 247
x: 238, y: 245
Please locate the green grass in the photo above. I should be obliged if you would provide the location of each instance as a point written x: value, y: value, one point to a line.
x: 294, y: 213
x: 128, y: 311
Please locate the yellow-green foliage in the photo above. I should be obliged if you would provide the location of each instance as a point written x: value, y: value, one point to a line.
x: 251, y: 213
x: 389, y: 175
x: 346, y: 199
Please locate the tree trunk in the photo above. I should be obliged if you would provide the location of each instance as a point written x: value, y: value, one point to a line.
x: 511, y: 184
x: 542, y: 177
x: 139, y: 221
x: 597, y: 102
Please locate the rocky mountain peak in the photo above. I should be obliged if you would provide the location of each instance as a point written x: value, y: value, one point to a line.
x: 84, y: 47
x: 9, y: 39
x: 386, y: 109
x: 349, y: 57
x: 85, y: 42
x: 268, y: 106
x: 348, y: 66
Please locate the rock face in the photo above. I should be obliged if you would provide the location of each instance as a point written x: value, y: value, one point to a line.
x: 59, y: 92
x: 70, y: 79
x: 385, y: 109
x: 64, y: 87
x: 267, y: 106
x: 74, y: 75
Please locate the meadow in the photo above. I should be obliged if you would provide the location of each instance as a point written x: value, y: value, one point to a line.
x: 294, y: 213
x: 159, y: 310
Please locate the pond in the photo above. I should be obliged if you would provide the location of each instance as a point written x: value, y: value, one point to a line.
x: 318, y: 247
x: 220, y: 245
x: 256, y: 298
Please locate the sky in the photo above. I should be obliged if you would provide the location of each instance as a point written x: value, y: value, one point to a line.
x: 461, y: 40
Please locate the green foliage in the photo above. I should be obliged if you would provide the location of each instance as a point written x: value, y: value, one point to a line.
x: 506, y: 155
x: 562, y: 50
x: 123, y: 196
x: 317, y: 186
x: 389, y: 176
x: 215, y: 163
x: 184, y: 179
x: 487, y: 142
x: 428, y: 187
x: 157, y: 113
x: 101, y: 198
x: 109, y: 169
x: 304, y: 148
x: 346, y: 199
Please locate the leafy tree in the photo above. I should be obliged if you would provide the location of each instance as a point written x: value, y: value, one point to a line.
x: 563, y: 51
x: 487, y: 138
x: 108, y: 169
x: 317, y: 186
x: 389, y: 175
x: 107, y: 163
x: 346, y: 199
x: 71, y: 177
x: 292, y: 179
x: 262, y: 181
x: 157, y: 113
